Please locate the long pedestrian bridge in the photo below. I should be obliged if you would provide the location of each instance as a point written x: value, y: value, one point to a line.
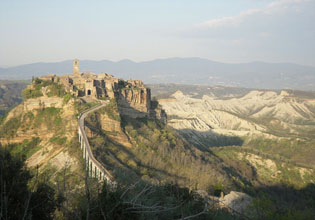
x: 93, y: 167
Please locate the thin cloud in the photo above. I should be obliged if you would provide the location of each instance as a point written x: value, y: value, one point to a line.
x: 283, y: 31
x: 292, y: 14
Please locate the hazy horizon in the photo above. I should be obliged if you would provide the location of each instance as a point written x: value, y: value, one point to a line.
x: 243, y: 31
x: 165, y: 58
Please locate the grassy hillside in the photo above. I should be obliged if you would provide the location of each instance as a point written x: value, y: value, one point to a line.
x: 157, y: 153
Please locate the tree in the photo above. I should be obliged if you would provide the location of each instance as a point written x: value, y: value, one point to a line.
x: 17, y: 201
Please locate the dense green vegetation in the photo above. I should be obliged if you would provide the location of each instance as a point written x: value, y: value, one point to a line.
x: 132, y: 199
x: 18, y: 200
x: 82, y: 106
x: 58, y: 140
x: 111, y: 110
x: 49, y: 117
x: 67, y: 97
x: 303, y: 128
x: 27, y: 147
x: 158, y: 155
x: 143, y: 201
x: 297, y: 151
x: 283, y: 202
x: 10, y: 127
x: 264, y: 169
x: 29, y: 93
x: 52, y: 88
x: 37, y: 197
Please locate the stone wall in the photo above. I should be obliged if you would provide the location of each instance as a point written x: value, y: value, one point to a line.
x: 42, y: 102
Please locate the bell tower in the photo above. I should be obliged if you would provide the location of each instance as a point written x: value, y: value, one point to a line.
x: 76, y: 67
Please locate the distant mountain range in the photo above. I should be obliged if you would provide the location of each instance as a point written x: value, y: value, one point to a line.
x: 183, y: 71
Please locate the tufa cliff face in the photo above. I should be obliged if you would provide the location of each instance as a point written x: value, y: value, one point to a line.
x: 135, y: 95
x: 134, y: 99
x: 45, y: 130
x: 107, y: 122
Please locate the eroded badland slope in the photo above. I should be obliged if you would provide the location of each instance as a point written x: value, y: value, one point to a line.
x: 270, y: 133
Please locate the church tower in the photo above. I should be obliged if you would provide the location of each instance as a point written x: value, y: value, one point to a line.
x: 76, y: 67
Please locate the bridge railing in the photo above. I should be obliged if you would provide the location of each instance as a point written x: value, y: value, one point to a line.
x: 89, y: 157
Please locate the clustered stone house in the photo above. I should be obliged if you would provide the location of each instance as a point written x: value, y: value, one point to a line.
x: 131, y: 95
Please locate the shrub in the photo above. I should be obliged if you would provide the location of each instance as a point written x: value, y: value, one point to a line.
x: 111, y: 110
x: 28, y: 93
x: 56, y: 90
x: 80, y: 107
x: 10, y: 128
x: 58, y: 140
x: 49, y: 117
x: 26, y: 148
x: 66, y: 98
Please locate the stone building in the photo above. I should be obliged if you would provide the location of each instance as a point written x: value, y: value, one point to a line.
x: 132, y: 96
x: 88, y: 84
x: 76, y: 67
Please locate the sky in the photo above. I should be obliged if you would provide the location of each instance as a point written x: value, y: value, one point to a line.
x: 231, y: 31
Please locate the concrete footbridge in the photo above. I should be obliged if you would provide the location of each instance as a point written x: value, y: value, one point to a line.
x: 93, y: 166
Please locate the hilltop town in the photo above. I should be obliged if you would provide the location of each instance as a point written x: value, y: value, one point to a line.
x: 132, y: 96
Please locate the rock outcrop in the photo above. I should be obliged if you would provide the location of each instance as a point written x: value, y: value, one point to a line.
x: 134, y: 99
x: 237, y: 202
x: 111, y: 127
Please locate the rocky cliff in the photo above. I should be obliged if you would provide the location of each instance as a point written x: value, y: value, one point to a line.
x: 45, y: 129
x: 134, y: 99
